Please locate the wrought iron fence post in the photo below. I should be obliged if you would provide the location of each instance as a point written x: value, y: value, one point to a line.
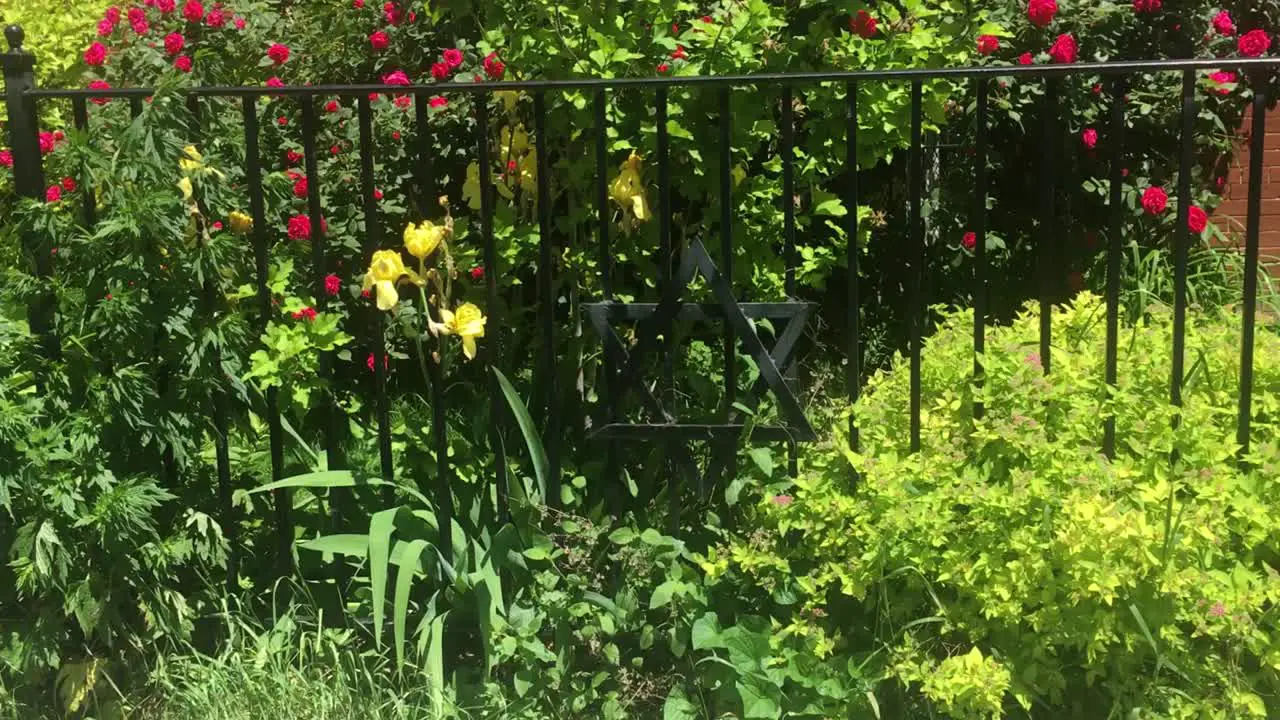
x: 28, y: 176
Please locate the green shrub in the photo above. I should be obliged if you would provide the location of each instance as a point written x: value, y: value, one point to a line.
x: 1010, y: 551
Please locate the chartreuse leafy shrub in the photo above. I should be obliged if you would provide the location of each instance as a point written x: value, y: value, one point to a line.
x: 1009, y: 569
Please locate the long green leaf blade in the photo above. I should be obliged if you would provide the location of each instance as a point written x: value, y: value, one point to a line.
x: 381, y: 525
x: 325, y: 479
x: 541, y: 466
x: 404, y: 583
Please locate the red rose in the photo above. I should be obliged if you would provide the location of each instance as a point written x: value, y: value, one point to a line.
x: 300, y: 227
x: 1197, y: 219
x: 663, y: 67
x: 379, y: 40
x: 53, y: 194
x: 69, y: 184
x: 193, y: 11
x: 477, y: 273
x: 216, y: 18
x: 386, y: 359
x: 334, y: 150
x: 377, y: 194
x: 970, y: 240
x: 140, y: 28
x: 306, y: 313
x: 105, y: 28
x: 112, y: 15
x: 95, y: 55
x: 239, y: 22
x: 292, y: 157
x: 707, y: 19
x: 331, y: 106
x: 452, y: 57
x: 99, y: 85
x: 47, y: 143
x: 1063, y: 49
x: 1041, y: 12
x: 166, y: 6
x: 217, y: 225
x: 1025, y: 59
x: 332, y: 284
x: 398, y: 77
x: 494, y: 67
x: 863, y: 25
x: 988, y: 44
x: 300, y: 188
x: 1154, y: 200
x: 440, y: 71
x: 357, y: 4
x: 1223, y: 23
x: 1254, y: 43
x: 1221, y: 78
x: 59, y: 137
x: 6, y: 158
x: 183, y: 63
x: 274, y: 82
x: 679, y: 53
x: 278, y: 53
x: 1147, y: 6
x: 437, y: 102
x: 1097, y: 89
x: 1089, y: 138
x: 173, y: 43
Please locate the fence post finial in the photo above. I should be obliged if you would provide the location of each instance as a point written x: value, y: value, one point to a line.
x: 14, y: 35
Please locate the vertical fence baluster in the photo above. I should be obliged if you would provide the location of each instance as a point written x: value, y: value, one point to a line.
x: 1047, y: 230
x: 667, y: 253
x: 1257, y: 131
x: 135, y: 107
x: 1182, y: 240
x: 28, y: 181
x: 789, y: 230
x: 217, y: 397
x: 613, y: 466
x: 88, y: 199
x: 372, y: 242
x: 1116, y: 207
x: 980, y: 245
x: 332, y: 414
x: 853, y: 377
x: 257, y: 209
x: 726, y: 268
x: 424, y: 170
x: 494, y: 344
x: 915, y: 303
x: 546, y: 282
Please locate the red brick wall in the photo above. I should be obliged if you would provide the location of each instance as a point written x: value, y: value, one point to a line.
x: 1230, y: 215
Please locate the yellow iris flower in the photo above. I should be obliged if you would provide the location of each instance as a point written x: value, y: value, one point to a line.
x: 185, y: 186
x: 467, y: 322
x: 192, y: 160
x: 240, y: 223
x: 628, y: 189
x: 422, y: 240
x: 385, y: 270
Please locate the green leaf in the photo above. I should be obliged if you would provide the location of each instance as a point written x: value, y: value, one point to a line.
x: 763, y: 458
x: 662, y: 594
x: 404, y: 583
x: 622, y: 536
x: 757, y: 701
x: 602, y: 602
x: 342, y: 544
x: 326, y: 479
x: 381, y: 525
x: 541, y: 466
x: 677, y: 706
x: 435, y: 664
x: 706, y: 632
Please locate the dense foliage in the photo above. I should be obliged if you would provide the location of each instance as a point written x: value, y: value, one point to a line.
x: 1009, y: 564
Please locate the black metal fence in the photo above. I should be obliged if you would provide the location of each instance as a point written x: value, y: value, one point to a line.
x: 680, y: 265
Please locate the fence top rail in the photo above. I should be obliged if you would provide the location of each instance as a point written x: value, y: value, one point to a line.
x: 784, y: 79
